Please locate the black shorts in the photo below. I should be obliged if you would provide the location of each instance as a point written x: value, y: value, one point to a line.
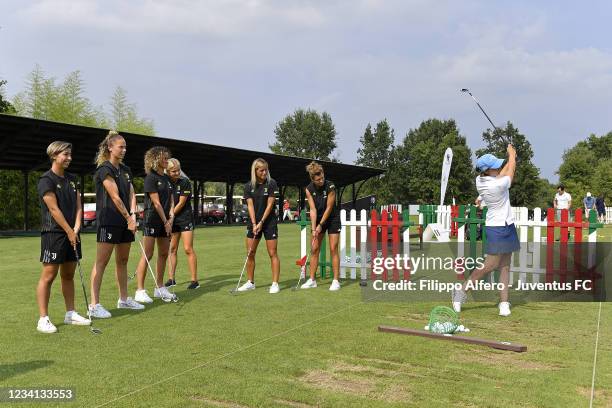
x: 332, y: 226
x: 114, y: 234
x: 55, y: 248
x: 155, y: 231
x: 182, y: 226
x: 269, y: 230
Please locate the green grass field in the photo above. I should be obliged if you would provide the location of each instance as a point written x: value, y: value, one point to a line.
x: 294, y: 349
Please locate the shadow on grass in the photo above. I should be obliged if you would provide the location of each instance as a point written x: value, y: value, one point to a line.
x: 10, y: 370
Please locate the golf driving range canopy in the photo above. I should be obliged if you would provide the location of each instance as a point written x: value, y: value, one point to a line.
x: 23, y: 144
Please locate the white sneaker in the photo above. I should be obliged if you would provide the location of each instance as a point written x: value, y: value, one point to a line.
x: 163, y: 293
x: 504, y: 309
x: 459, y: 297
x: 335, y: 285
x: 274, y: 288
x: 142, y: 296
x: 45, y: 325
x: 73, y: 317
x: 99, y: 312
x: 309, y: 284
x: 129, y: 303
x: 247, y: 286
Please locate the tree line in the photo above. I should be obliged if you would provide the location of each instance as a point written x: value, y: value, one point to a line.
x: 412, y: 164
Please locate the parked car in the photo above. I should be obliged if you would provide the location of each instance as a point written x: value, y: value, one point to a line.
x: 213, y: 214
x: 241, y: 215
x: 89, y: 214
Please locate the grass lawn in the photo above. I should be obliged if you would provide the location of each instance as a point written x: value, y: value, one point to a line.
x: 292, y: 349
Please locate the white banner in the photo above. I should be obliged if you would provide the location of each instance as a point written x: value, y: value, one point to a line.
x: 446, y: 166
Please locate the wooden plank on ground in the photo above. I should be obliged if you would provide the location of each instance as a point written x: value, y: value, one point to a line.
x: 501, y: 345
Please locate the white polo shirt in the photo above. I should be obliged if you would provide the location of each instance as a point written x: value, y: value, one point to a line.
x: 495, y: 192
x: 563, y: 200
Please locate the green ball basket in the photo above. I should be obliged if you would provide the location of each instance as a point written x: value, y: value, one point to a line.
x: 443, y: 320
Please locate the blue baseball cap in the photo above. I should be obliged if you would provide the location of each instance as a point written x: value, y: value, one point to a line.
x: 488, y: 161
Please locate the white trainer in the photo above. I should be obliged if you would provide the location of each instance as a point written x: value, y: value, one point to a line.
x: 99, y: 312
x: 309, y: 284
x: 73, y: 317
x: 459, y: 297
x: 45, y: 325
x: 163, y: 293
x: 274, y: 288
x: 142, y: 296
x: 247, y: 286
x: 504, y: 309
x: 335, y: 285
x: 129, y: 303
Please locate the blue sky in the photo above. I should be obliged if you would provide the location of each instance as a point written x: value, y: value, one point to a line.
x: 225, y: 72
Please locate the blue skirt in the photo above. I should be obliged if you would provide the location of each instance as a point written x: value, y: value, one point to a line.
x: 501, y: 240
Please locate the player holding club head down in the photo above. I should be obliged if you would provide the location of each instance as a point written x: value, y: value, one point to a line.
x: 324, y: 216
x: 60, y: 205
x: 183, y: 224
x: 157, y: 225
x: 260, y: 194
x: 493, y: 184
x: 115, y: 221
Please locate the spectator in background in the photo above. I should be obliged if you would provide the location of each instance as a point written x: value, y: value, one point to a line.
x: 600, y: 204
x: 589, y: 204
x: 563, y: 201
x: 287, y: 210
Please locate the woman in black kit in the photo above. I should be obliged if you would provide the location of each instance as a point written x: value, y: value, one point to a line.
x: 60, y: 209
x: 183, y: 224
x: 158, y: 219
x: 260, y: 194
x: 115, y: 221
x: 324, y: 216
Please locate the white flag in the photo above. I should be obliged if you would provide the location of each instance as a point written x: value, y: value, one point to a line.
x: 446, y: 166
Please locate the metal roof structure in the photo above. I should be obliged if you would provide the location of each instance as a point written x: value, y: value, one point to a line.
x: 23, y: 143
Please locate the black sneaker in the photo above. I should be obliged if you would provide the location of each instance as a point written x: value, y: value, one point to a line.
x: 193, y: 285
x: 170, y: 282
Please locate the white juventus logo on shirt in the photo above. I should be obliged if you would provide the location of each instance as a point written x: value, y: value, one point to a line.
x: 109, y: 236
x: 53, y: 256
x: 152, y: 231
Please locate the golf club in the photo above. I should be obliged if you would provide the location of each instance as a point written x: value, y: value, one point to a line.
x: 92, y: 329
x: 303, y: 267
x: 166, y: 299
x: 173, y: 279
x: 241, y: 273
x: 485, y: 113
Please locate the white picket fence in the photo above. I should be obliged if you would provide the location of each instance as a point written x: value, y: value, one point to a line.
x: 528, y: 260
x: 608, y: 219
x: 355, y: 256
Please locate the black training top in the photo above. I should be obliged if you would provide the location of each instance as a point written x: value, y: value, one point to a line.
x: 260, y: 194
x: 182, y: 188
x: 107, y: 213
x: 160, y: 184
x: 319, y: 195
x: 65, y: 190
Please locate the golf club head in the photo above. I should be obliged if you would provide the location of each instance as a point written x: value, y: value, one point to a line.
x: 93, y: 330
x: 363, y: 282
x: 465, y: 90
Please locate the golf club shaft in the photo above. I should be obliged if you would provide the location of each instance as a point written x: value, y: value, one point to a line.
x: 150, y: 269
x: 243, y: 268
x: 91, y: 328
x: 487, y: 116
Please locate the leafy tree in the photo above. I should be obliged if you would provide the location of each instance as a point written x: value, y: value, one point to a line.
x: 5, y: 105
x: 376, y: 151
x: 124, y: 116
x: 416, y: 165
x: 588, y: 167
x: 305, y: 134
x: 526, y: 185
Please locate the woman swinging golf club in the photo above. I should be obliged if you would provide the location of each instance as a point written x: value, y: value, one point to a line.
x: 324, y: 216
x: 260, y: 194
x: 493, y: 185
x: 116, y: 221
x: 60, y: 205
x: 157, y: 226
x: 183, y: 224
